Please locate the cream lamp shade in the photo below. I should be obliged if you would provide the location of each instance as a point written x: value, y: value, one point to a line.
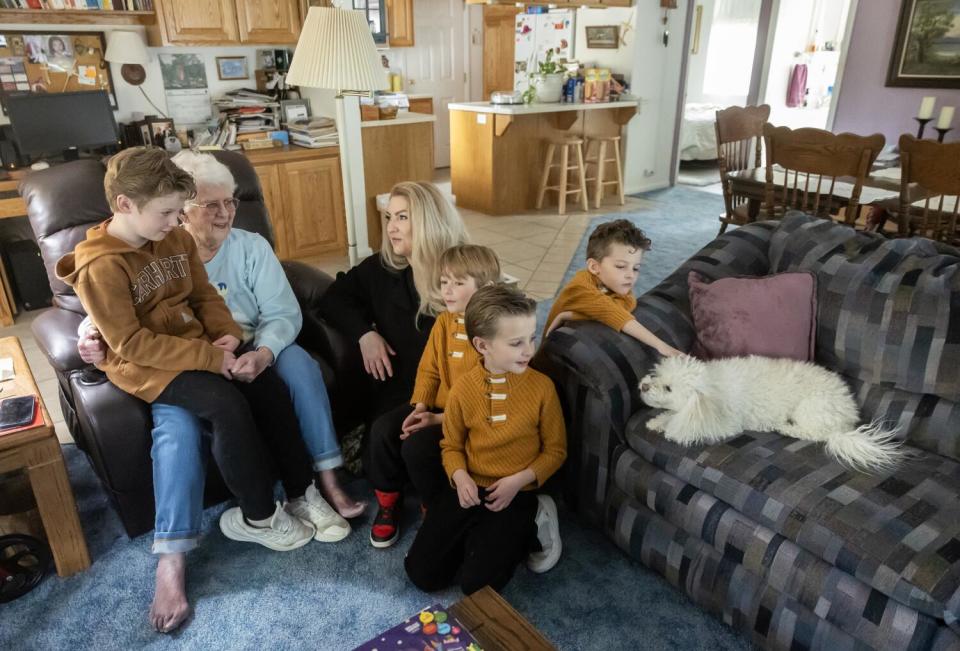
x: 128, y: 48
x: 336, y: 51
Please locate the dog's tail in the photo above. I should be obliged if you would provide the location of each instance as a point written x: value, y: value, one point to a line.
x: 867, y: 448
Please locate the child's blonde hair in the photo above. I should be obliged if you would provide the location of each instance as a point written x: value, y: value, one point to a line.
x: 436, y: 226
x: 473, y: 261
x: 143, y: 174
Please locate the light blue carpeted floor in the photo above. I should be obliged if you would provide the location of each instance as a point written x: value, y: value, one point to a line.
x: 337, y: 596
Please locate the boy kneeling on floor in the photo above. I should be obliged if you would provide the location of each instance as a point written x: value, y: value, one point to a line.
x: 503, y: 437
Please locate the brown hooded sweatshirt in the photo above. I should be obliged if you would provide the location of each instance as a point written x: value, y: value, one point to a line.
x: 153, y: 305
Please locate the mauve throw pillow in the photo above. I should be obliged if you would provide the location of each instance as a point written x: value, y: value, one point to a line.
x: 775, y: 316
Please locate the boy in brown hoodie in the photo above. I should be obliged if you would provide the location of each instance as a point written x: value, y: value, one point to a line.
x: 170, y: 341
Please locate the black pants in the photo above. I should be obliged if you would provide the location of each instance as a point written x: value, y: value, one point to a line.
x: 253, y: 428
x: 485, y: 546
x: 391, y: 461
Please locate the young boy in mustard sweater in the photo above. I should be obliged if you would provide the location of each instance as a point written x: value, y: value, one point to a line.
x: 604, y: 290
x: 411, y: 447
x: 503, y: 437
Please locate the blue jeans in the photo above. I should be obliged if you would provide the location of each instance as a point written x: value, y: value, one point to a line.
x: 179, y: 468
x: 179, y: 454
x: 301, y: 373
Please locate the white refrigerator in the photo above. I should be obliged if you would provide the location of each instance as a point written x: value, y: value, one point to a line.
x: 537, y: 33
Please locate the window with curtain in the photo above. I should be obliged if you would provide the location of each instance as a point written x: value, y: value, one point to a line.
x: 733, y: 39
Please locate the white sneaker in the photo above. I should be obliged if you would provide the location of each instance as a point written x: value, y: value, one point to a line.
x: 548, y: 533
x: 284, y: 534
x: 312, y: 508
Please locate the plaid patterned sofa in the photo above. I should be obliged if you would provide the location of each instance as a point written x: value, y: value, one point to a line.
x: 765, y: 531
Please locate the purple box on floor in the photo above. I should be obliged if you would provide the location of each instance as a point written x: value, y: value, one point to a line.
x: 431, y: 629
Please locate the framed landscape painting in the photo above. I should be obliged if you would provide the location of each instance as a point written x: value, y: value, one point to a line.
x: 926, y: 52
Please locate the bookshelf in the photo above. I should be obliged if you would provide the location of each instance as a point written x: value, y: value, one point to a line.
x: 76, y: 17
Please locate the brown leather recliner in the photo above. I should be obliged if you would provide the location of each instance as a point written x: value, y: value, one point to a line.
x: 113, y: 427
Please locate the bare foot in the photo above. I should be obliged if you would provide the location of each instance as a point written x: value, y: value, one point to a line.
x: 345, y: 505
x: 170, y: 608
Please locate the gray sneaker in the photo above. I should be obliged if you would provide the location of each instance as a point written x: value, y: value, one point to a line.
x: 312, y: 508
x: 284, y: 534
x: 548, y: 533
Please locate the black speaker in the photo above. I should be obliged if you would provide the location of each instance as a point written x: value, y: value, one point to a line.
x: 9, y: 150
x: 27, y: 274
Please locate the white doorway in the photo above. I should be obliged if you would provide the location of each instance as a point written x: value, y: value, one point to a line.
x: 720, y: 70
x: 436, y: 65
x: 811, y: 35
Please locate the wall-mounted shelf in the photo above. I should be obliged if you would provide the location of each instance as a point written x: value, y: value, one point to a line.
x: 78, y: 17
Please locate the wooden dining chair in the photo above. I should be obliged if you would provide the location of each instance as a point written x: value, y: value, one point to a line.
x: 739, y: 134
x: 820, y: 172
x: 929, y: 189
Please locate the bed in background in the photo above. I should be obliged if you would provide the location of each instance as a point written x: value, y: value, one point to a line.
x: 698, y: 135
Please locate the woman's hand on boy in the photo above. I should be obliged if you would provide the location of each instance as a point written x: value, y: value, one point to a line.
x: 228, y: 343
x: 226, y: 366
x: 418, y: 419
x: 90, y: 346
x: 466, y: 489
x: 251, y: 364
x: 376, y: 355
x: 501, y: 492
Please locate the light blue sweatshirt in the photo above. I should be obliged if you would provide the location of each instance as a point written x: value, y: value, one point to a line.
x: 250, y: 279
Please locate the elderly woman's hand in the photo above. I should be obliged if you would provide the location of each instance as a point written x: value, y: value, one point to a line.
x: 376, y: 355
x: 249, y: 365
x: 90, y: 346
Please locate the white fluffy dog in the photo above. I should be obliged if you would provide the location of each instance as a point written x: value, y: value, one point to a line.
x: 708, y: 402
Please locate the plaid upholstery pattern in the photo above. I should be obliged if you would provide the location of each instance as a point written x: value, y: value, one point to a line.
x: 766, y: 531
x: 887, y: 322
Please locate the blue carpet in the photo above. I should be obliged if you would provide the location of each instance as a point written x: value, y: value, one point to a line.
x: 336, y: 596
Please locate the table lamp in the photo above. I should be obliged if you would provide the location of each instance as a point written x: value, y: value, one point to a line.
x: 336, y: 52
x: 128, y: 49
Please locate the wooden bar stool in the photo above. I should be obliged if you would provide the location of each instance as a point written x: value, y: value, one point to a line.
x: 569, y: 148
x: 601, y: 161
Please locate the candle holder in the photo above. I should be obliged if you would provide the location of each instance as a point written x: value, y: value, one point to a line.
x: 923, y: 125
x: 941, y: 133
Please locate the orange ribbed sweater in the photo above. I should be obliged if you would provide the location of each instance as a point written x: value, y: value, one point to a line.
x: 586, y: 296
x: 498, y: 425
x: 447, y: 356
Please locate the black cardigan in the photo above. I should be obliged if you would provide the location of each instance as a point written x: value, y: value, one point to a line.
x: 369, y: 297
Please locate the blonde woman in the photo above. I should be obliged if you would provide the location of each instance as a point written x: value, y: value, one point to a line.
x: 388, y: 303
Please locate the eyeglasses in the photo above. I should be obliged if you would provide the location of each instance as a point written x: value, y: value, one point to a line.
x: 228, y: 205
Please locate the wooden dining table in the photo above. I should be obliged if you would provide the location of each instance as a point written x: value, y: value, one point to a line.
x: 880, y: 191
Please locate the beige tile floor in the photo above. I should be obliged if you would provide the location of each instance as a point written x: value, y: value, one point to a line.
x: 535, y: 247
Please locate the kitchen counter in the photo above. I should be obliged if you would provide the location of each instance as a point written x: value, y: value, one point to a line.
x: 497, y: 151
x: 400, y: 120
x: 530, y: 109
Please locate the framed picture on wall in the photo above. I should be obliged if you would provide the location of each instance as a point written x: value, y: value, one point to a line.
x: 926, y: 50
x: 232, y: 68
x: 603, y: 36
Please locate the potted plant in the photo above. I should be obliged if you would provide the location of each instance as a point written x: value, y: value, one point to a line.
x: 548, y: 81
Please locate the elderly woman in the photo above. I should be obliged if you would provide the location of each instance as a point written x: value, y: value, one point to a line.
x: 387, y: 304
x: 244, y: 269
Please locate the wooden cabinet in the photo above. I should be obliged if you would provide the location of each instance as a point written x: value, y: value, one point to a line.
x: 400, y: 23
x: 225, y: 22
x: 499, y: 34
x: 421, y: 105
x: 303, y: 192
x: 268, y: 21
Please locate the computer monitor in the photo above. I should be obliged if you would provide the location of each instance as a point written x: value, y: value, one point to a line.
x: 52, y: 124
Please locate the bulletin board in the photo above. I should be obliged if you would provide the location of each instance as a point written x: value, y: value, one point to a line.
x: 53, y: 62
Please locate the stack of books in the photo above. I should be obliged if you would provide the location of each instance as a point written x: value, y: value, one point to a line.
x: 313, y: 132
x: 246, y: 116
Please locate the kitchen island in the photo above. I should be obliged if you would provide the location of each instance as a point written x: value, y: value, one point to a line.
x: 497, y: 151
